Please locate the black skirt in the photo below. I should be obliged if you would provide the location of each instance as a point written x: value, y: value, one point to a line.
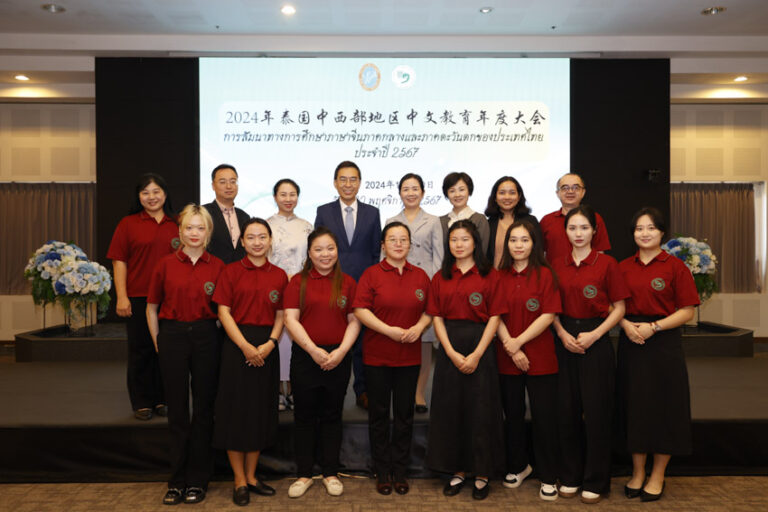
x: 246, y: 405
x: 653, y: 387
x: 466, y: 428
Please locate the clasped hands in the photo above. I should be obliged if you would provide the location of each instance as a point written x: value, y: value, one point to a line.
x: 255, y: 356
x: 327, y: 361
x: 580, y: 343
x: 401, y: 335
x: 512, y: 347
x: 638, y: 332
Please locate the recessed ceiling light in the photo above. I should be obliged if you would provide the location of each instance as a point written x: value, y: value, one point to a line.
x: 53, y: 8
x: 288, y: 10
x: 741, y: 78
x: 485, y: 10
x: 711, y: 11
x: 23, y: 78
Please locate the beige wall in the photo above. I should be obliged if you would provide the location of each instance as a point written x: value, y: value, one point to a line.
x: 42, y: 143
x: 724, y: 143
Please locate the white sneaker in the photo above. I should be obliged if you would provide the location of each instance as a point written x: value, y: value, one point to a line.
x: 333, y: 486
x: 568, y: 492
x: 299, y: 487
x: 513, y: 480
x: 548, y: 492
x: 590, y: 497
x: 281, y: 406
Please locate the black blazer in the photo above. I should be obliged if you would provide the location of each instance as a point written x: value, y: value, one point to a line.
x: 365, y: 249
x: 221, y: 243
x: 493, y: 223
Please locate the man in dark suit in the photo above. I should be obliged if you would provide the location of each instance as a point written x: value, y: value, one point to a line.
x: 227, y: 220
x: 358, y: 230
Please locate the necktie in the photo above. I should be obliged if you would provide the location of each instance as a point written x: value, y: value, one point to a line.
x: 349, y: 224
x: 234, y: 228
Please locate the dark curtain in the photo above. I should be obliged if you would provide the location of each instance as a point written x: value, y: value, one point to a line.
x: 724, y: 215
x: 33, y: 213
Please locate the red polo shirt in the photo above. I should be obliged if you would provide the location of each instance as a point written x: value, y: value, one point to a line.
x: 527, y: 298
x: 589, y: 289
x: 140, y: 241
x: 324, y: 323
x: 659, y: 288
x: 397, y: 300
x: 468, y: 296
x: 183, y: 290
x: 253, y: 294
x: 556, y: 242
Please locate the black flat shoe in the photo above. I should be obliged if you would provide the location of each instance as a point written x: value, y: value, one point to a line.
x: 261, y: 489
x: 480, y: 493
x: 161, y: 410
x: 174, y: 496
x: 143, y: 414
x: 194, y: 495
x: 421, y: 409
x: 630, y: 492
x: 646, y: 496
x: 453, y: 490
x: 241, y: 496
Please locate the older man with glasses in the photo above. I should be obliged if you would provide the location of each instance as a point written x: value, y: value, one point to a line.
x: 570, y: 190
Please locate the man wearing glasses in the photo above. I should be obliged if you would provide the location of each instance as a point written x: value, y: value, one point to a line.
x: 358, y: 229
x: 570, y: 190
x: 227, y: 220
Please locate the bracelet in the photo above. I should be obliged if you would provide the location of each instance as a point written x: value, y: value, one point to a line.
x: 273, y: 340
x: 656, y: 327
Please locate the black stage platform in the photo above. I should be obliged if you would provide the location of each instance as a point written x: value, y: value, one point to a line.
x: 71, y: 422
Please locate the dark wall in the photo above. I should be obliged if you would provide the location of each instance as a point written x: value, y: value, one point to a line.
x: 620, y: 132
x: 146, y: 121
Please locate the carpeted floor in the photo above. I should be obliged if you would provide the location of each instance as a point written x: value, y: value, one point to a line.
x: 700, y: 494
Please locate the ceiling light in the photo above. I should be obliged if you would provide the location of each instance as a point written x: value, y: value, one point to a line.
x: 485, y: 10
x: 53, y: 8
x: 711, y: 11
x: 741, y: 78
x: 22, y: 78
x: 288, y: 10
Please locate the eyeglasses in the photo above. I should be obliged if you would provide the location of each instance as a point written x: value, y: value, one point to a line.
x: 396, y: 241
x: 344, y: 180
x: 226, y: 182
x: 571, y: 188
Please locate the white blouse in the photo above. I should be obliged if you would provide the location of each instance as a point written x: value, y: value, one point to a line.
x: 289, y: 242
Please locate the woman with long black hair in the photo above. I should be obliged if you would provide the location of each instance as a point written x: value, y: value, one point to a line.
x: 593, y: 293
x: 465, y: 424
x: 526, y: 356
x: 506, y: 204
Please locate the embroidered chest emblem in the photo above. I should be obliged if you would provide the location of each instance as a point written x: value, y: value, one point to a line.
x: 274, y: 296
x: 209, y: 287
x: 532, y: 305
x: 419, y: 294
x: 476, y: 299
x: 658, y: 284
x: 590, y: 291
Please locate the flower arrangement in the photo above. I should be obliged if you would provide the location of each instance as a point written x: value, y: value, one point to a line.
x: 699, y: 259
x: 61, y: 272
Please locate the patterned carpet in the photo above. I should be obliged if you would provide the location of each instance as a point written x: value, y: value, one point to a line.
x: 699, y: 494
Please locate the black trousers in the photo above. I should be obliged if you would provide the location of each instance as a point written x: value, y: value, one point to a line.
x: 190, y: 348
x: 318, y: 400
x: 358, y: 369
x: 542, y: 394
x: 396, y: 386
x: 585, y: 409
x: 145, y: 386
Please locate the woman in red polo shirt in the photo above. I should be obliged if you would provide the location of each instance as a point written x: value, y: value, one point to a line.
x: 652, y: 377
x: 391, y: 301
x: 249, y: 295
x: 319, y: 317
x: 525, y: 351
x: 593, y: 293
x: 465, y: 424
x: 140, y: 240
x: 182, y: 323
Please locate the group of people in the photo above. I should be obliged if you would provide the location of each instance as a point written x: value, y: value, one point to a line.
x: 513, y: 304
